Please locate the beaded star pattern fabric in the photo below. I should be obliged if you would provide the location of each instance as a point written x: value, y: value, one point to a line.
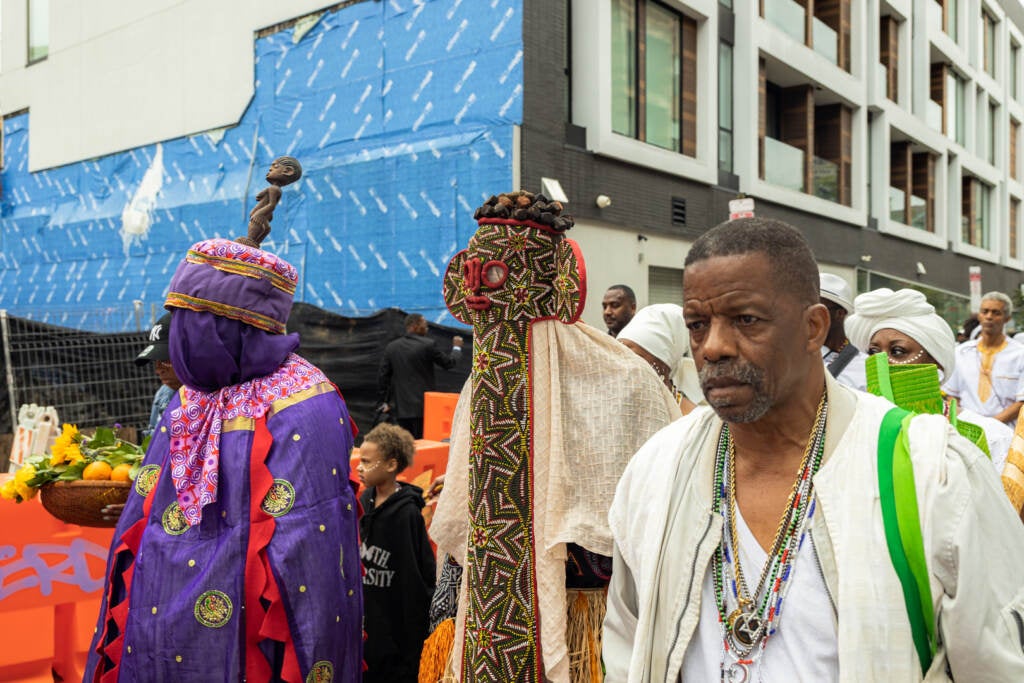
x: 511, y: 276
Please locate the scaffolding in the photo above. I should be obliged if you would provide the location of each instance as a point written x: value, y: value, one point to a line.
x: 89, y: 377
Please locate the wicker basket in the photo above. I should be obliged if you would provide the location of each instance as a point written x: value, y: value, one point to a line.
x: 81, y: 502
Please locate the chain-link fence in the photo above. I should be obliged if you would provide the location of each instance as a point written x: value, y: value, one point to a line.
x: 89, y: 377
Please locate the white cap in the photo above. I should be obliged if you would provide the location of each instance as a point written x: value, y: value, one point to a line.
x: 836, y: 290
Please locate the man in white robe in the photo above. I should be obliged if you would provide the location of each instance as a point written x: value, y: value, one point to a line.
x: 756, y: 327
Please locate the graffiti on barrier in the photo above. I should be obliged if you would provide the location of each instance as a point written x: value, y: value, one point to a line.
x: 42, y: 565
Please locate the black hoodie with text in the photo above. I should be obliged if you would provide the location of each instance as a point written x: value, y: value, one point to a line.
x: 397, y: 585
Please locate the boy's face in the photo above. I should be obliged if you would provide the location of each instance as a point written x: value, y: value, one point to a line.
x: 374, y: 469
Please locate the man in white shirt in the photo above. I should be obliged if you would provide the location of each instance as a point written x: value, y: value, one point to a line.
x: 844, y: 360
x: 748, y: 536
x: 989, y: 374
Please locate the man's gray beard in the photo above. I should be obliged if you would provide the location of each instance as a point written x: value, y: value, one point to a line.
x: 744, y: 373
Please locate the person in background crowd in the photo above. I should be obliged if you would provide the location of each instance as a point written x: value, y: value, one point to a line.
x: 158, y: 353
x: 969, y: 330
x: 989, y: 374
x: 905, y: 327
x: 397, y: 557
x: 407, y: 372
x: 844, y: 360
x: 618, y: 307
x: 658, y: 335
x: 723, y: 568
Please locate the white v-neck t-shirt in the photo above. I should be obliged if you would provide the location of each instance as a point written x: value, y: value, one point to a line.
x: 805, y: 646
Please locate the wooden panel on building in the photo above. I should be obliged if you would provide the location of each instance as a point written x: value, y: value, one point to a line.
x: 836, y: 15
x: 689, y: 114
x: 967, y: 210
x: 900, y: 174
x: 797, y: 113
x: 762, y: 118
x: 938, y: 90
x: 833, y: 141
x: 923, y: 186
x: 889, y: 55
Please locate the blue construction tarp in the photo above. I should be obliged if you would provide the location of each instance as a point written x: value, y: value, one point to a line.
x: 402, y: 114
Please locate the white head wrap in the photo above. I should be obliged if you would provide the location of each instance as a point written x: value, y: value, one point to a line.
x: 660, y: 330
x: 906, y: 311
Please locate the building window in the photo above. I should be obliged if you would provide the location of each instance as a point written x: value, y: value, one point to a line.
x: 654, y: 75
x: 725, y: 107
x: 1014, y: 141
x: 804, y: 146
x: 664, y: 285
x: 988, y: 43
x: 1014, y: 59
x: 830, y: 26
x: 976, y: 213
x: 1014, y: 217
x: 942, y: 17
x: 911, y: 186
x: 38, y: 30
x: 889, y: 54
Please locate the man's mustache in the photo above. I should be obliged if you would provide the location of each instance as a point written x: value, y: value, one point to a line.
x: 737, y: 371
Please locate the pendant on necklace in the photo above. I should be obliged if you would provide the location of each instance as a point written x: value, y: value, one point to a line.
x: 735, y: 673
x: 745, y: 628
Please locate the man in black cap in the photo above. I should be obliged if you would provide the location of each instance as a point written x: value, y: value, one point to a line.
x: 158, y: 353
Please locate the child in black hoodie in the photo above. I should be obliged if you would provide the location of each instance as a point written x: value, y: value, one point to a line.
x: 397, y: 557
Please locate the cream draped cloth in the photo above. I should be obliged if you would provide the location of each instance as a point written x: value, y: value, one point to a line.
x: 595, y: 403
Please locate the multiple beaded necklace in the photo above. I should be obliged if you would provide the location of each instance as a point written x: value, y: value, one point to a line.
x: 749, y: 619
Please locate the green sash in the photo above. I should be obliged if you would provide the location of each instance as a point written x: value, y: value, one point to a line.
x: 903, y: 530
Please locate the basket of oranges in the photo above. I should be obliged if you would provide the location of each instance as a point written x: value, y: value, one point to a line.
x: 80, y: 476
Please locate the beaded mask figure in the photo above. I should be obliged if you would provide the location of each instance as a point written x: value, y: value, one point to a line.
x: 518, y: 269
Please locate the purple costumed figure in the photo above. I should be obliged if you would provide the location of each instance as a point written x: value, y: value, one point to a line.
x: 237, y: 554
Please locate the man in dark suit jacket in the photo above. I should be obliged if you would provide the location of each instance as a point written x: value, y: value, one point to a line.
x: 407, y: 371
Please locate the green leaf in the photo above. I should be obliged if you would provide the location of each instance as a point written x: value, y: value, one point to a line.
x: 73, y: 472
x: 104, y: 436
x: 41, y: 478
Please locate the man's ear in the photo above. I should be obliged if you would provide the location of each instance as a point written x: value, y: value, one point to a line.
x: 817, y: 322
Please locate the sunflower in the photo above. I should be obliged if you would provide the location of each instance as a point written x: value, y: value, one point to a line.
x: 65, y: 448
x: 9, y: 490
x: 21, y: 478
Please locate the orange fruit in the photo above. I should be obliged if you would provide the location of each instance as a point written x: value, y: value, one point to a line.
x: 97, y: 471
x: 121, y: 473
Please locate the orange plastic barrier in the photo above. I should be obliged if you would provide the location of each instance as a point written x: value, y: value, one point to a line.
x: 438, y: 410
x: 51, y: 579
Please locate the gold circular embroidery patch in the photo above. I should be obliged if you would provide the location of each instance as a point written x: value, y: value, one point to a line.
x: 146, y: 479
x: 174, y: 520
x: 322, y: 672
x: 279, y: 498
x: 213, y: 609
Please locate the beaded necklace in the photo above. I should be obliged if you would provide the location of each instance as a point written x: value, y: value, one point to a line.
x: 754, y: 617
